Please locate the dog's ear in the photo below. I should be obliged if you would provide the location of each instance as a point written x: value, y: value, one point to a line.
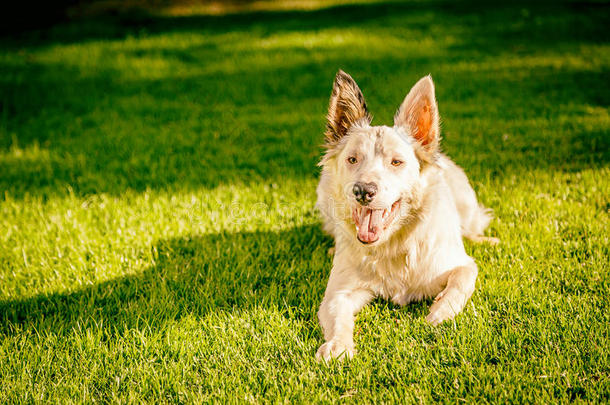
x: 347, y: 107
x: 418, y: 113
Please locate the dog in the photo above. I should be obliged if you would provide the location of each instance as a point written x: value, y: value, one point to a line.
x: 397, y: 209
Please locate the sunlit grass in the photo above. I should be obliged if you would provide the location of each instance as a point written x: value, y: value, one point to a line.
x: 183, y: 8
x: 158, y: 239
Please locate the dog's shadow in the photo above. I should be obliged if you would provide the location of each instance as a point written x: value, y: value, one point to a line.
x: 191, y: 276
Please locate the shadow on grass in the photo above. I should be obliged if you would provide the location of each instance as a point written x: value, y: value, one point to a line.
x: 260, y: 116
x: 210, y: 143
x: 121, y: 24
x: 192, y: 276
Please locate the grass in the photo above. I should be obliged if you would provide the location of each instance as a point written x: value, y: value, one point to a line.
x: 158, y: 240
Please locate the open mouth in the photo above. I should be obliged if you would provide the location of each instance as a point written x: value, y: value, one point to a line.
x: 371, y: 222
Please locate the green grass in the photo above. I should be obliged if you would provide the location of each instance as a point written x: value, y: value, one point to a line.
x: 158, y: 240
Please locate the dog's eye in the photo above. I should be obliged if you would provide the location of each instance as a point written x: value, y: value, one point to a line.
x: 352, y: 160
x: 396, y: 162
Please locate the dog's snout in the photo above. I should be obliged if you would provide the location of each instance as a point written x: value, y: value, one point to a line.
x: 364, y: 192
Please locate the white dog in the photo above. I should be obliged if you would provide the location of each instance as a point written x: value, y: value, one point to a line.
x: 397, y: 209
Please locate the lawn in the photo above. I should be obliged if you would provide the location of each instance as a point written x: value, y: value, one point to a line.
x: 158, y: 238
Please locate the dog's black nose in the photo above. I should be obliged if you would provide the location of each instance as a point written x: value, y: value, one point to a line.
x: 364, y: 192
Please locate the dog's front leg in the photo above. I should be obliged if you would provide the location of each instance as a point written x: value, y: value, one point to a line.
x: 341, y: 303
x: 460, y: 286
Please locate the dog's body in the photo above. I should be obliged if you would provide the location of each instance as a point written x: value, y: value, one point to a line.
x: 397, y: 209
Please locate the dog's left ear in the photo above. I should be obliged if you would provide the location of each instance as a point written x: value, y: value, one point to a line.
x: 418, y: 114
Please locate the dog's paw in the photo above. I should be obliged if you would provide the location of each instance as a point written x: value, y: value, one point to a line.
x: 335, y: 349
x: 491, y: 240
x: 484, y: 239
x: 446, y: 306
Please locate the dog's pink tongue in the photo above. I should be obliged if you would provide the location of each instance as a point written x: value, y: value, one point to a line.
x: 370, y: 225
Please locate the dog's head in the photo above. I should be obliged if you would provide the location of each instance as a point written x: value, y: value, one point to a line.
x: 376, y: 170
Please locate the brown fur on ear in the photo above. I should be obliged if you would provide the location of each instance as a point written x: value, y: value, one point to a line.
x: 418, y: 113
x: 346, y: 107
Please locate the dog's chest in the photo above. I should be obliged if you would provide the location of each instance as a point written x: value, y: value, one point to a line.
x: 400, y: 280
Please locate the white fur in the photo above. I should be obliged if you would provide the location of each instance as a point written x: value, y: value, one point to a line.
x: 421, y: 254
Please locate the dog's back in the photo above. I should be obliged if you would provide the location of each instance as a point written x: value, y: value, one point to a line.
x: 474, y: 217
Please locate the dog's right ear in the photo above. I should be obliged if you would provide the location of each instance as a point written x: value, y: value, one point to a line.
x: 347, y: 107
